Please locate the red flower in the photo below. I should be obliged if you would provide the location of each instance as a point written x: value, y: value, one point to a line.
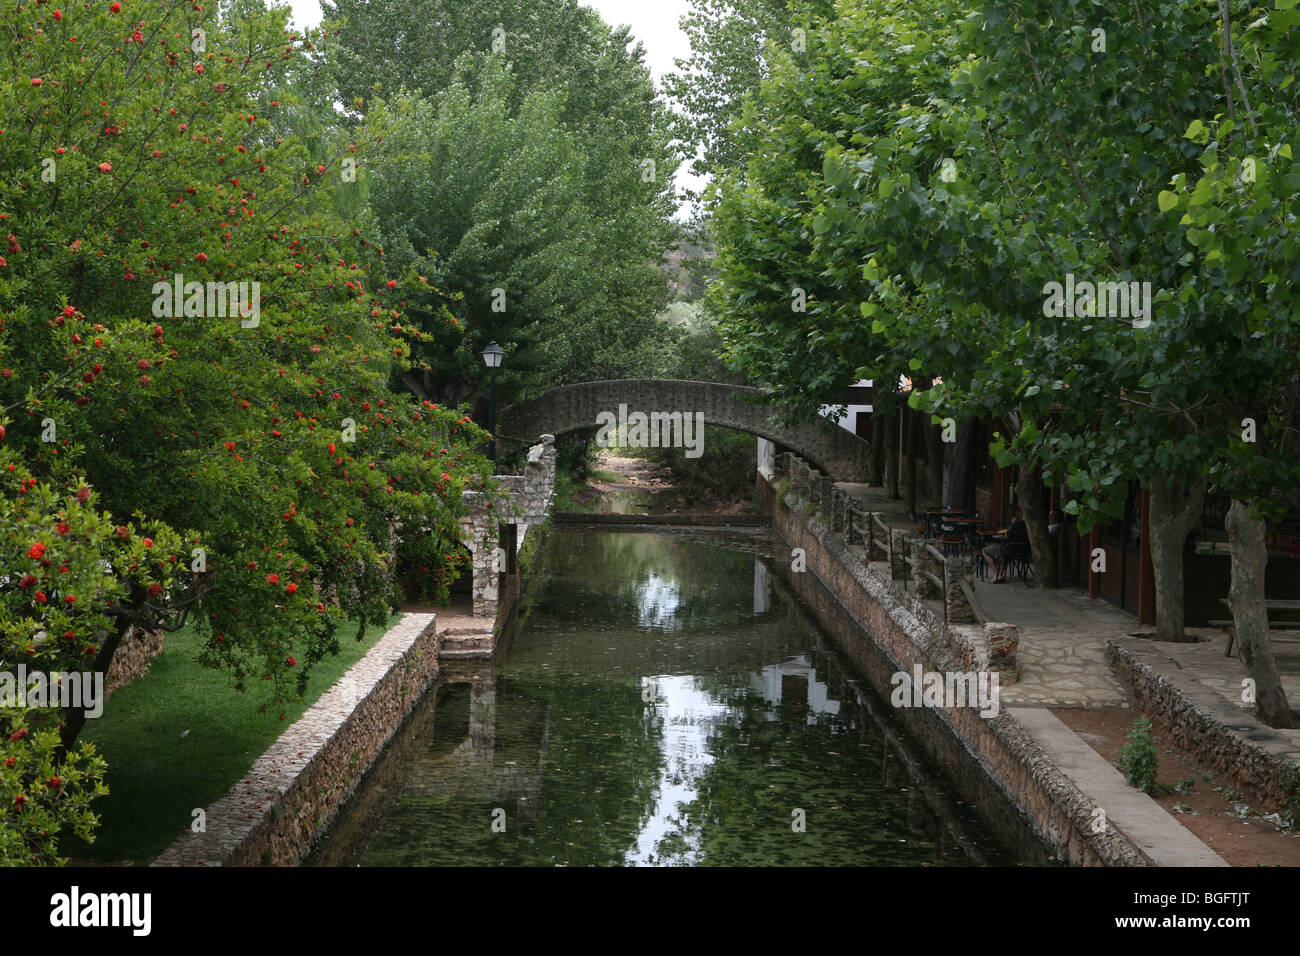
x: 58, y: 14
x: 273, y: 578
x: 105, y: 167
x: 148, y: 542
x: 20, y: 800
x: 291, y: 588
x: 142, y: 364
x: 114, y: 7
x: 121, y: 532
x: 230, y: 446
x: 36, y: 551
x: 446, y: 477
x: 40, y: 597
x: 83, y: 494
x: 392, y: 283
x: 27, y: 581
x: 63, y: 527
x: 320, y: 606
x: 37, y: 81
x: 202, y: 257
x: 18, y: 734
x: 252, y: 565
x: 292, y: 662
x: 69, y: 599
x: 10, y: 762
x: 155, y: 589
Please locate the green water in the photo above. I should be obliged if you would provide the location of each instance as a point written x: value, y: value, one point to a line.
x: 665, y: 702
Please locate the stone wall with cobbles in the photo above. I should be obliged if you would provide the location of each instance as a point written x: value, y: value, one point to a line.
x: 287, y: 800
x: 1225, y: 738
x: 883, y: 631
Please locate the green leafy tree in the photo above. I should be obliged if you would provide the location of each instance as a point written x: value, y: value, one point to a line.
x: 249, y: 464
x: 528, y: 174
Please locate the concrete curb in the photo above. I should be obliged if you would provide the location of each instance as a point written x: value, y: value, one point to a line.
x: 1161, y: 838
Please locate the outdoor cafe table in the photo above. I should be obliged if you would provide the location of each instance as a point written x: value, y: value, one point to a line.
x: 1270, y: 605
x: 933, y: 514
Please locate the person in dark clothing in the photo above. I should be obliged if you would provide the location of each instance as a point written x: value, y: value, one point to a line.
x: 1016, y: 545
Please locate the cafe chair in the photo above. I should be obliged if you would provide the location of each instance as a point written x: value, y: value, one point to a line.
x: 1017, y: 561
x: 953, y: 541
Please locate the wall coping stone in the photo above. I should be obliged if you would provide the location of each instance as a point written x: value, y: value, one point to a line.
x: 269, y: 813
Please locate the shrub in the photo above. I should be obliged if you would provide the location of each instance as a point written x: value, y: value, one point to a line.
x: 1137, y: 761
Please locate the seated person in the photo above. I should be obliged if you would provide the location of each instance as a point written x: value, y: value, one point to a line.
x: 1015, y: 546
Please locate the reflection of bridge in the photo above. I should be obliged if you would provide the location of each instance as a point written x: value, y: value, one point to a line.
x: 575, y: 407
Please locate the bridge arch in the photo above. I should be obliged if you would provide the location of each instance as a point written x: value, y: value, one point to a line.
x: 570, y: 408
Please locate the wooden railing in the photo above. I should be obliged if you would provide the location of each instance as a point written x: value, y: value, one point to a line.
x: 922, y: 567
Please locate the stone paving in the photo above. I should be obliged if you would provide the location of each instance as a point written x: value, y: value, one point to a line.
x: 1063, y: 632
x: 1063, y: 637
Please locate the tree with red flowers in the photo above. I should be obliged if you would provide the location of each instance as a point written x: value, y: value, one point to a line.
x: 242, y: 462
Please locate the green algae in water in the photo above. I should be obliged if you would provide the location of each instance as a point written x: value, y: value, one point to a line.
x: 666, y: 702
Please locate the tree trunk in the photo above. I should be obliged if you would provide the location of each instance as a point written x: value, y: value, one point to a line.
x: 74, y: 718
x: 957, y: 486
x: 873, y: 457
x: 1250, y: 617
x: 1033, y: 508
x: 891, y: 453
x: 909, y: 457
x: 934, y: 447
x: 880, y: 433
x: 1174, y: 512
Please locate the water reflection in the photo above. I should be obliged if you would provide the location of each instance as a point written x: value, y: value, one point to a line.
x: 665, y: 701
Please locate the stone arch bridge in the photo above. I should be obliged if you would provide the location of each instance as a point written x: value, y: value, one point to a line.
x: 574, y: 407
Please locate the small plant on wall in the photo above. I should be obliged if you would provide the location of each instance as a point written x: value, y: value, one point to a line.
x: 1137, y: 761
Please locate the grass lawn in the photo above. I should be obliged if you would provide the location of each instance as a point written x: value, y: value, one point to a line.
x: 156, y: 777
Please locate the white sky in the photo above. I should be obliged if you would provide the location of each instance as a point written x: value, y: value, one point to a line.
x: 654, y: 22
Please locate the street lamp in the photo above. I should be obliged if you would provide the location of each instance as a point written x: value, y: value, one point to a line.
x: 492, y: 356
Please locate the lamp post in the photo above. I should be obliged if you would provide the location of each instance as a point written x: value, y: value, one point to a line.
x: 492, y: 356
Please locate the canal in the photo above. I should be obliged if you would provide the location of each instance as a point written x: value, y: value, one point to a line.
x: 665, y: 701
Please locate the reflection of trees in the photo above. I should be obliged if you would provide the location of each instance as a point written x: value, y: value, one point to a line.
x: 563, y: 741
x: 609, y: 578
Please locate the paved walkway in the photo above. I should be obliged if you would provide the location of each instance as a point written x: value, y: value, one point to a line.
x: 1062, y: 663
x: 1063, y: 632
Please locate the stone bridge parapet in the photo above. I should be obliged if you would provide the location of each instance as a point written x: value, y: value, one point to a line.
x: 574, y: 407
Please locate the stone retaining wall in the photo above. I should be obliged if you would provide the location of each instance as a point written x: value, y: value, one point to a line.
x: 293, y: 791
x: 884, y: 631
x: 1219, y: 735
